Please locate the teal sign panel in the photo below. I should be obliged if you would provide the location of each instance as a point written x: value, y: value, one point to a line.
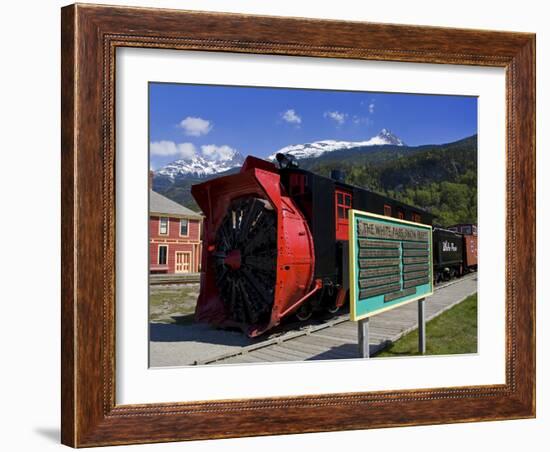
x: 390, y: 262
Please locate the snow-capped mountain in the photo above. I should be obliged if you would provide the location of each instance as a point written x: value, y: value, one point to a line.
x: 204, y: 164
x: 199, y: 166
x: 318, y: 148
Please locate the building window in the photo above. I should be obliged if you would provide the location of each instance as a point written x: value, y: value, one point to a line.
x: 416, y: 217
x: 387, y: 210
x: 184, y: 227
x: 163, y: 226
x: 343, y: 204
x: 163, y: 253
x: 400, y: 215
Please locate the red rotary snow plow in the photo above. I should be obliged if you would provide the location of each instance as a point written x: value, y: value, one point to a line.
x: 258, y: 258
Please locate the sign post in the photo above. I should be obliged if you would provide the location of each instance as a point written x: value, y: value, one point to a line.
x: 422, y: 326
x: 363, y: 337
x: 390, y: 262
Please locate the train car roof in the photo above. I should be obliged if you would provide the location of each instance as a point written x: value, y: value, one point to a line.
x: 441, y: 229
x: 351, y: 187
x: 462, y: 224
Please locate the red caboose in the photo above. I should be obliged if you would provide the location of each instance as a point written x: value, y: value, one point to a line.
x: 469, y: 233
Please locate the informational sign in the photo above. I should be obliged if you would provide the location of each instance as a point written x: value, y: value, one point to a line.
x: 390, y: 263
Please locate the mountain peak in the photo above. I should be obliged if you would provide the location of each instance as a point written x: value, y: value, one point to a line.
x: 212, y: 160
x: 389, y: 138
x: 318, y: 148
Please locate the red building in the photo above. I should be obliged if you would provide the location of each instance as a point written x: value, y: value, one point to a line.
x: 174, y: 236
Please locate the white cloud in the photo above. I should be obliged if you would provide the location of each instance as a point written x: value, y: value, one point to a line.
x: 291, y: 117
x: 195, y: 127
x: 163, y: 148
x: 170, y: 149
x: 336, y: 116
x: 188, y: 151
x: 371, y: 108
x: 361, y: 120
x: 217, y: 153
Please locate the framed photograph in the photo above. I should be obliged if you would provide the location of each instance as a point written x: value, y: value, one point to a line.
x: 282, y: 225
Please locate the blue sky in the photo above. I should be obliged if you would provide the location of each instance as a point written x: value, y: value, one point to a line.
x: 206, y: 119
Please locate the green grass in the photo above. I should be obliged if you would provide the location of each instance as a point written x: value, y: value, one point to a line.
x: 453, y: 332
x: 173, y: 303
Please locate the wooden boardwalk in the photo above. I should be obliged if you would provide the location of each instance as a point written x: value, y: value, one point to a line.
x: 338, y: 339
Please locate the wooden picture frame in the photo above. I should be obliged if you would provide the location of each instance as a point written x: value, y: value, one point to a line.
x: 90, y: 36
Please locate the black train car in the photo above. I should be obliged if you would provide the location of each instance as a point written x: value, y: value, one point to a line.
x: 325, y: 203
x: 447, y: 253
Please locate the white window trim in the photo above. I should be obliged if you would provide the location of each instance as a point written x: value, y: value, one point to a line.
x: 158, y: 254
x: 188, y: 224
x: 167, y: 226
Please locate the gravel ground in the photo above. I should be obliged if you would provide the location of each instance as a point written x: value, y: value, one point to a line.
x: 171, y: 324
x: 176, y: 341
x: 173, y: 304
x: 178, y: 345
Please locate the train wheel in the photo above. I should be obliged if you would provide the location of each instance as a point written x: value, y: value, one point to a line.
x: 304, y: 312
x: 245, y: 256
x: 333, y: 309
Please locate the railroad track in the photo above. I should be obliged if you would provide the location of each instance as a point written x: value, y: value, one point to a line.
x: 336, y: 338
x: 175, y: 278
